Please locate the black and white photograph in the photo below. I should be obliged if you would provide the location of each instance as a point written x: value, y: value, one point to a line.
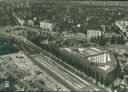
x: 63, y: 46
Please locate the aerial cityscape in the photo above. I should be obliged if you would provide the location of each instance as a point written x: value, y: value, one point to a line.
x: 63, y: 45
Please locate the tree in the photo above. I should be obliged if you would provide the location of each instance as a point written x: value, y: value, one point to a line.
x: 113, y: 39
x: 122, y: 41
x: 99, y: 39
x: 102, y: 40
x: 126, y: 69
x: 92, y: 39
x: 126, y: 55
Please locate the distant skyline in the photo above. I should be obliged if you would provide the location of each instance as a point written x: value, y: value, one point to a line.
x: 123, y: 3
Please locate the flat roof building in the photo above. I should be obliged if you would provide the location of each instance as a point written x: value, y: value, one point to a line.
x: 46, y: 25
x: 97, y: 64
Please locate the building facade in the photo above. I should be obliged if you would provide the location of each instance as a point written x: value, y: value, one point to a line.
x: 30, y: 22
x: 101, y: 58
x: 22, y: 22
x: 93, y: 33
x: 46, y: 25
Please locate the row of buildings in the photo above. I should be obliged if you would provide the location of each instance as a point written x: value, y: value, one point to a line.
x: 45, y: 24
x: 72, y: 36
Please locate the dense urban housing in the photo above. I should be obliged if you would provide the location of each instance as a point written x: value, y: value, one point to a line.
x: 63, y: 45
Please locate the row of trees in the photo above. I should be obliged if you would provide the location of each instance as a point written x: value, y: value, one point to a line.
x: 102, y: 40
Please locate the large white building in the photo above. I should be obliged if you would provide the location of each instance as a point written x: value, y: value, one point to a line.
x: 96, y: 63
x: 46, y: 25
x: 101, y: 58
x: 93, y: 33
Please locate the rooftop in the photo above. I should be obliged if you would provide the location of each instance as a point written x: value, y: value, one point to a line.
x: 84, y: 52
x: 94, y: 30
x: 123, y: 23
x: 46, y: 21
x: 118, y: 46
